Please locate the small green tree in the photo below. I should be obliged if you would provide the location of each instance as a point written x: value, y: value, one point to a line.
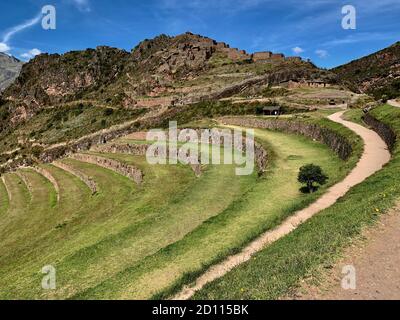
x: 311, y: 174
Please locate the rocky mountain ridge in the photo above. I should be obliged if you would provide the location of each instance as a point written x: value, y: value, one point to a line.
x: 9, y: 70
x: 159, y: 72
x: 377, y: 74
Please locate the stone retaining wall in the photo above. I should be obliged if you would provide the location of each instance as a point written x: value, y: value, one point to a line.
x: 333, y: 140
x: 80, y: 175
x: 126, y: 170
x: 128, y: 148
x: 49, y: 177
x: 261, y: 155
x: 25, y: 180
x: 136, y: 150
x: 384, y: 131
x: 7, y: 189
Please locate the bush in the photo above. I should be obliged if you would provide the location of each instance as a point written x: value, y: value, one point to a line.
x: 36, y: 151
x: 108, y: 112
x: 311, y: 174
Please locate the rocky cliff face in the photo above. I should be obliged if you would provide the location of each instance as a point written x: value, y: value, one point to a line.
x: 9, y: 70
x: 51, y: 79
x: 158, y: 72
x: 377, y: 74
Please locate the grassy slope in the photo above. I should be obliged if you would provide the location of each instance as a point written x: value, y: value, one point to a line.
x: 125, y: 241
x: 113, y: 229
x: 4, y: 201
x: 279, y: 268
x: 257, y: 210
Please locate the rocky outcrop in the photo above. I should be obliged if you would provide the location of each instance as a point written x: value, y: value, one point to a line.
x: 339, y: 144
x: 91, y: 184
x: 384, y: 131
x: 124, y: 169
x: 14, y: 164
x: 113, y: 76
x: 275, y: 78
x: 53, y: 79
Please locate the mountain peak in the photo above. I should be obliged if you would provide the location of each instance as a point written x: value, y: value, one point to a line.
x: 9, y: 69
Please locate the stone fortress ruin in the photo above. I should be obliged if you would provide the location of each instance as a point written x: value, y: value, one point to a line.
x: 209, y: 46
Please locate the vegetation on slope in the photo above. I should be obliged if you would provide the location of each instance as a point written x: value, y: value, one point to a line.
x: 278, y: 269
x: 240, y: 222
x: 125, y: 233
x: 377, y: 74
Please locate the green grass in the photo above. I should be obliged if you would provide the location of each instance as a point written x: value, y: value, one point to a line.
x: 89, y: 239
x: 279, y: 269
x: 130, y: 241
x: 259, y: 209
x: 4, y: 201
x: 354, y: 115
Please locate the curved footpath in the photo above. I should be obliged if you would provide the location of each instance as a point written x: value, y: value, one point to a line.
x: 375, y: 156
x: 394, y: 103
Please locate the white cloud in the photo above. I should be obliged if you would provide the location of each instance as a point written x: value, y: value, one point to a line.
x: 82, y: 5
x: 322, y: 53
x: 4, y: 47
x: 297, y: 50
x: 31, y: 54
x: 14, y: 30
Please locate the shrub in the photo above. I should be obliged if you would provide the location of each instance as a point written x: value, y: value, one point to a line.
x: 311, y: 174
x: 108, y: 112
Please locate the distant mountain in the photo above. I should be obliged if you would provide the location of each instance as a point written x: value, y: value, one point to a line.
x: 9, y: 70
x: 377, y: 74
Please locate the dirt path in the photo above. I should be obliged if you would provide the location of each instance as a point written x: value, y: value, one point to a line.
x: 375, y: 156
x: 376, y: 260
x: 394, y: 103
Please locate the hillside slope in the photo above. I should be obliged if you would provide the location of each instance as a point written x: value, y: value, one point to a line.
x: 9, y: 70
x: 377, y: 74
x: 160, y: 72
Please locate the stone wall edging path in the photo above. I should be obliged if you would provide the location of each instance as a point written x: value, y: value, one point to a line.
x: 333, y: 140
x: 375, y: 156
x: 385, y: 132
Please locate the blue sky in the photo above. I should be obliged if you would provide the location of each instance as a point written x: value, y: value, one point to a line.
x: 311, y: 28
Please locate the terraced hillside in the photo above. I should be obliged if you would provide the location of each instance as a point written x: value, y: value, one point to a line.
x: 112, y: 235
